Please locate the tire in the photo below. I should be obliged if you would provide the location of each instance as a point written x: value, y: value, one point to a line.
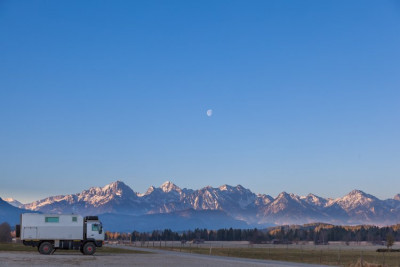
x: 46, y: 248
x: 89, y: 248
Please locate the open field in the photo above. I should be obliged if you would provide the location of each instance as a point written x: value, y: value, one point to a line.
x: 336, y: 254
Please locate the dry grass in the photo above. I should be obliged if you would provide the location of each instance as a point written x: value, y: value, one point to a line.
x: 327, y: 257
x: 21, y: 247
x: 15, y: 247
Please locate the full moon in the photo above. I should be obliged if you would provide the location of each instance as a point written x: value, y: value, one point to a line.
x: 209, y: 112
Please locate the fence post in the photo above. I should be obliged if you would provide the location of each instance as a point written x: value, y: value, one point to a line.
x: 320, y: 257
x: 361, y: 261
x: 302, y: 256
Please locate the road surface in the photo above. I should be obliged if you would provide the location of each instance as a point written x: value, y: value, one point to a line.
x: 157, y: 258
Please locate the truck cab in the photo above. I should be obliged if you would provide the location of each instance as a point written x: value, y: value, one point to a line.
x: 93, y: 230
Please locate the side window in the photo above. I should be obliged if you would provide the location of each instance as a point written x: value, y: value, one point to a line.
x: 52, y: 219
x: 95, y: 227
x: 74, y: 219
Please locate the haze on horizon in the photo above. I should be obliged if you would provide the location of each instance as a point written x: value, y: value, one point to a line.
x: 295, y: 96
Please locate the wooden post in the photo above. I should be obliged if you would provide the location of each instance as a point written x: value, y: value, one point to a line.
x: 361, y: 261
x: 320, y: 257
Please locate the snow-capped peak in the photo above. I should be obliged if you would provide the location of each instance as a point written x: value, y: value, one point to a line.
x: 114, y: 185
x: 169, y: 186
x: 315, y: 200
x: 283, y: 195
x: 358, y: 195
x: 149, y: 191
x: 225, y: 187
x: 115, y: 188
x: 13, y: 202
x: 355, y: 199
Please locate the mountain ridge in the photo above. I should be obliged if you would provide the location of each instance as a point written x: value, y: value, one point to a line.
x: 237, y: 202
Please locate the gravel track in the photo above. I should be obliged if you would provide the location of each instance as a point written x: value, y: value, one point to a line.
x: 158, y: 258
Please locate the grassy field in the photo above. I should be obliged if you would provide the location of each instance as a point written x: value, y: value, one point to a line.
x: 21, y: 247
x: 327, y: 257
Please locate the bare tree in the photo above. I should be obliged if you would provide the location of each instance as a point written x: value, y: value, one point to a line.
x: 389, y: 240
x: 5, y: 232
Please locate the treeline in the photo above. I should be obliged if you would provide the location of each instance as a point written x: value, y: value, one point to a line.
x: 318, y: 233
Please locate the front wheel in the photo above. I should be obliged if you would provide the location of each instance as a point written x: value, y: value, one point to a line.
x: 46, y: 248
x: 89, y: 248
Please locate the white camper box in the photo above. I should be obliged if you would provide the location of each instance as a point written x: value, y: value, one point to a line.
x: 51, y: 226
x: 49, y: 232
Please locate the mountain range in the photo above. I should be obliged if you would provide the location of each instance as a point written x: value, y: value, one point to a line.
x: 169, y: 206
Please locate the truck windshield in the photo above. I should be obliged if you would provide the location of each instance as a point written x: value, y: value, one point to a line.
x: 95, y: 227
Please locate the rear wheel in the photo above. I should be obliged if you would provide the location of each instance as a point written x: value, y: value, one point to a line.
x: 46, y: 248
x: 89, y: 248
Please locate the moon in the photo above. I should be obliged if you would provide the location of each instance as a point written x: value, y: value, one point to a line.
x: 209, y: 112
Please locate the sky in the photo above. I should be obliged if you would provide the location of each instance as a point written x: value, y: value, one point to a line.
x: 304, y: 96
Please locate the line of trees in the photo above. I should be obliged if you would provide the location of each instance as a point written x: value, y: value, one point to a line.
x: 318, y: 233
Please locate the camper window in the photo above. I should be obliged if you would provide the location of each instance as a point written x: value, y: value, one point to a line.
x: 52, y: 219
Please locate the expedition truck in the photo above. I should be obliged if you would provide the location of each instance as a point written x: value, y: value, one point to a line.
x: 49, y: 232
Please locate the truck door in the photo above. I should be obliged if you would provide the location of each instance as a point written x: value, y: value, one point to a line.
x: 95, y: 231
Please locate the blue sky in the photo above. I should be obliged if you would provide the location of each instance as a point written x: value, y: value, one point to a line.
x: 305, y: 95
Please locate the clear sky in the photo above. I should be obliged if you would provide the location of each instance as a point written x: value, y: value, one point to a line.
x: 305, y: 95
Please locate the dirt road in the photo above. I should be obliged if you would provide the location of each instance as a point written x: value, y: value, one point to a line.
x: 158, y: 258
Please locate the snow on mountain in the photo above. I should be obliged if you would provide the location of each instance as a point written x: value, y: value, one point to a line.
x: 235, y: 201
x: 13, y: 202
x: 290, y: 208
x: 315, y: 200
x: 168, y: 187
x: 228, y: 198
x: 263, y: 199
x: 362, y: 207
x: 9, y: 213
x: 114, y: 197
x: 355, y: 199
x: 164, y: 199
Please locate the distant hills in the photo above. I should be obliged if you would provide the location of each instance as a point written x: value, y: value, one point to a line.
x: 10, y: 213
x: 169, y: 206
